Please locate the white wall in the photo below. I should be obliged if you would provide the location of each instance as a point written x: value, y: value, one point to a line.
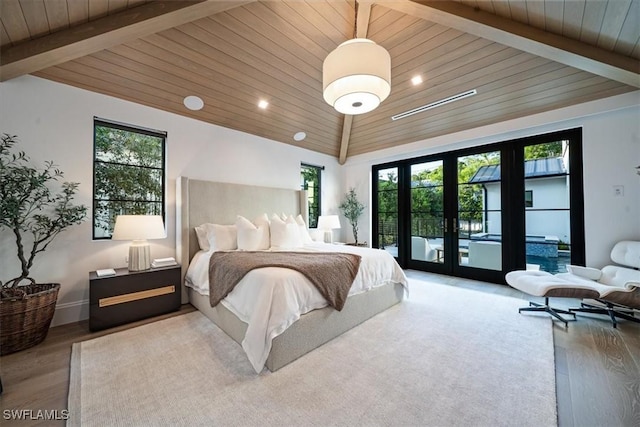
x: 611, y: 150
x: 55, y: 122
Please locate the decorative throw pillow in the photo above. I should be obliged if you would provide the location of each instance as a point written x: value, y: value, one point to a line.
x: 253, y: 236
x: 217, y: 237
x: 304, y: 232
x: 285, y: 234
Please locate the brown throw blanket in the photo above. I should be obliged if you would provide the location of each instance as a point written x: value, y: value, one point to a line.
x: 332, y: 273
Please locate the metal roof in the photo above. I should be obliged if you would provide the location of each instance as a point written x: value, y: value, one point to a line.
x: 535, y: 168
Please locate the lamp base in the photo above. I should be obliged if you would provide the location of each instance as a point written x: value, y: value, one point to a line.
x: 328, y: 236
x: 139, y: 255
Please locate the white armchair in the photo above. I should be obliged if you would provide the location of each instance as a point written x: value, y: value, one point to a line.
x: 485, y: 254
x: 615, y: 288
x: 618, y: 285
x: 421, y: 249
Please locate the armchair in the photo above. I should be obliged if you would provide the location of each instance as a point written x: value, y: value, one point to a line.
x: 618, y: 285
x: 485, y: 255
x: 421, y: 249
x: 615, y: 288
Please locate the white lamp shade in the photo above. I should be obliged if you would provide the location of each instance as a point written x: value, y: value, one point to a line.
x: 356, y: 76
x: 138, y: 227
x: 328, y: 222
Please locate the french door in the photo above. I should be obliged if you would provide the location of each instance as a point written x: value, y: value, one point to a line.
x: 482, y: 212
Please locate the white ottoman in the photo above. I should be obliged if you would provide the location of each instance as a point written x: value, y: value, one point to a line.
x: 543, y: 284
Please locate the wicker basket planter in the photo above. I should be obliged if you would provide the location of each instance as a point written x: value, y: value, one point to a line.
x: 25, y: 315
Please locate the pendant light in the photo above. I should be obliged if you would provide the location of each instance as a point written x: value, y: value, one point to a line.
x: 356, y: 76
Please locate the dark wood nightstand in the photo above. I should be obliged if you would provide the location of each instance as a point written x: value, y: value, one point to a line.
x: 128, y: 296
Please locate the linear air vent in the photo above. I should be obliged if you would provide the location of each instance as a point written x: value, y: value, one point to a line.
x: 434, y: 104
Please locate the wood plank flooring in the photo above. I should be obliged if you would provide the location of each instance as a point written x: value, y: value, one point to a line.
x: 597, y: 366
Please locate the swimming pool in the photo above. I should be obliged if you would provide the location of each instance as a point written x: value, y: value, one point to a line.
x: 539, y: 246
x: 551, y: 265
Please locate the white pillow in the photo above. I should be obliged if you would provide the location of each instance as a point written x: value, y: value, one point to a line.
x: 217, y: 237
x: 253, y: 237
x: 304, y: 232
x: 285, y: 234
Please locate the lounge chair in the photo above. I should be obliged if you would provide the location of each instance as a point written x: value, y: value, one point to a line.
x: 615, y: 288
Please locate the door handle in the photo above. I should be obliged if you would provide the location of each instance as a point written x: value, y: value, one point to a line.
x: 455, y: 225
x: 446, y: 226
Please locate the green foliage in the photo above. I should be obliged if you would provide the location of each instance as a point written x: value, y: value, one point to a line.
x: 543, y: 151
x: 351, y: 208
x: 311, y: 183
x: 29, y: 207
x: 128, y: 175
x: 427, y: 202
x: 387, y: 207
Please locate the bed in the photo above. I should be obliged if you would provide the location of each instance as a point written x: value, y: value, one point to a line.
x: 200, y: 202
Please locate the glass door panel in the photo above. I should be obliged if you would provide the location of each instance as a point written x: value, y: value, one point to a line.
x: 427, y: 212
x: 479, y: 219
x: 388, y: 210
x: 547, y: 206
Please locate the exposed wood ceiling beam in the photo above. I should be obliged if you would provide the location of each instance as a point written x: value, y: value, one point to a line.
x: 523, y: 37
x: 346, y: 134
x: 112, y: 30
x: 362, y: 26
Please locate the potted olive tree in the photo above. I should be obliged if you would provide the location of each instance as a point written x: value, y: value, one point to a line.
x: 35, y: 214
x: 351, y: 208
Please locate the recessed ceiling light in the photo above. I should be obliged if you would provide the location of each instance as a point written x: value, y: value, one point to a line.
x: 299, y: 136
x: 416, y: 80
x: 263, y: 104
x: 193, y: 102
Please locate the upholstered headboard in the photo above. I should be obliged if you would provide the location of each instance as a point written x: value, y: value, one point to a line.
x: 198, y: 202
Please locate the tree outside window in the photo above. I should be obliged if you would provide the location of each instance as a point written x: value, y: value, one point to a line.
x: 311, y: 183
x: 128, y: 174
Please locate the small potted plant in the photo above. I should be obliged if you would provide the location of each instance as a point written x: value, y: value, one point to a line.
x: 35, y: 214
x: 351, y: 208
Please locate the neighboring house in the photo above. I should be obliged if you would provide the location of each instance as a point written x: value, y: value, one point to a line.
x: 546, y: 197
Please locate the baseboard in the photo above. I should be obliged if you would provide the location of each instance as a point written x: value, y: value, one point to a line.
x: 70, y: 312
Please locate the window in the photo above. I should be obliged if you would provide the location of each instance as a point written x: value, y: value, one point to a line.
x: 311, y: 179
x: 528, y: 199
x: 128, y: 174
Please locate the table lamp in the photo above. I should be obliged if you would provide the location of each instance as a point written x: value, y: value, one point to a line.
x: 328, y: 223
x: 139, y: 228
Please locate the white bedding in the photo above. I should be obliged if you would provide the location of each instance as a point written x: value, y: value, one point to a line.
x: 271, y: 299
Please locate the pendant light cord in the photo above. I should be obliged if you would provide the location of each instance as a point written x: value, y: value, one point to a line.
x: 355, y: 24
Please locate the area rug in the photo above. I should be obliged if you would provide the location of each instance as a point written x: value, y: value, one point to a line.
x: 443, y: 357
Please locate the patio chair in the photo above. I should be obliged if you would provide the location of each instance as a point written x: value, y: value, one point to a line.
x: 421, y: 249
x: 485, y: 255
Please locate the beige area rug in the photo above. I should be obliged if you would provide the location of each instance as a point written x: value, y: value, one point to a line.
x: 443, y: 357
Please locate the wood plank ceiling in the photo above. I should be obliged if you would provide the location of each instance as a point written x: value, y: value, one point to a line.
x: 233, y: 54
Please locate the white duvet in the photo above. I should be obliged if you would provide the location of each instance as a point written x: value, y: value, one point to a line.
x: 271, y: 299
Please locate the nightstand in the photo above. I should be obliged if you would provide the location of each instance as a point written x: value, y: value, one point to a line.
x: 128, y: 296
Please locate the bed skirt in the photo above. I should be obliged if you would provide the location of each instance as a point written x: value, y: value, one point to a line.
x: 312, y: 329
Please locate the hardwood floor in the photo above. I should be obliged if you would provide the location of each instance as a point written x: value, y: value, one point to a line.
x: 597, y: 366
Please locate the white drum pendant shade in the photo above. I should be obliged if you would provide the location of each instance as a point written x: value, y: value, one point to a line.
x: 356, y: 76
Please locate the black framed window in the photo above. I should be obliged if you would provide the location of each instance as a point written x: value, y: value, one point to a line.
x: 312, y: 184
x: 128, y: 174
x: 495, y: 182
x: 528, y: 198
